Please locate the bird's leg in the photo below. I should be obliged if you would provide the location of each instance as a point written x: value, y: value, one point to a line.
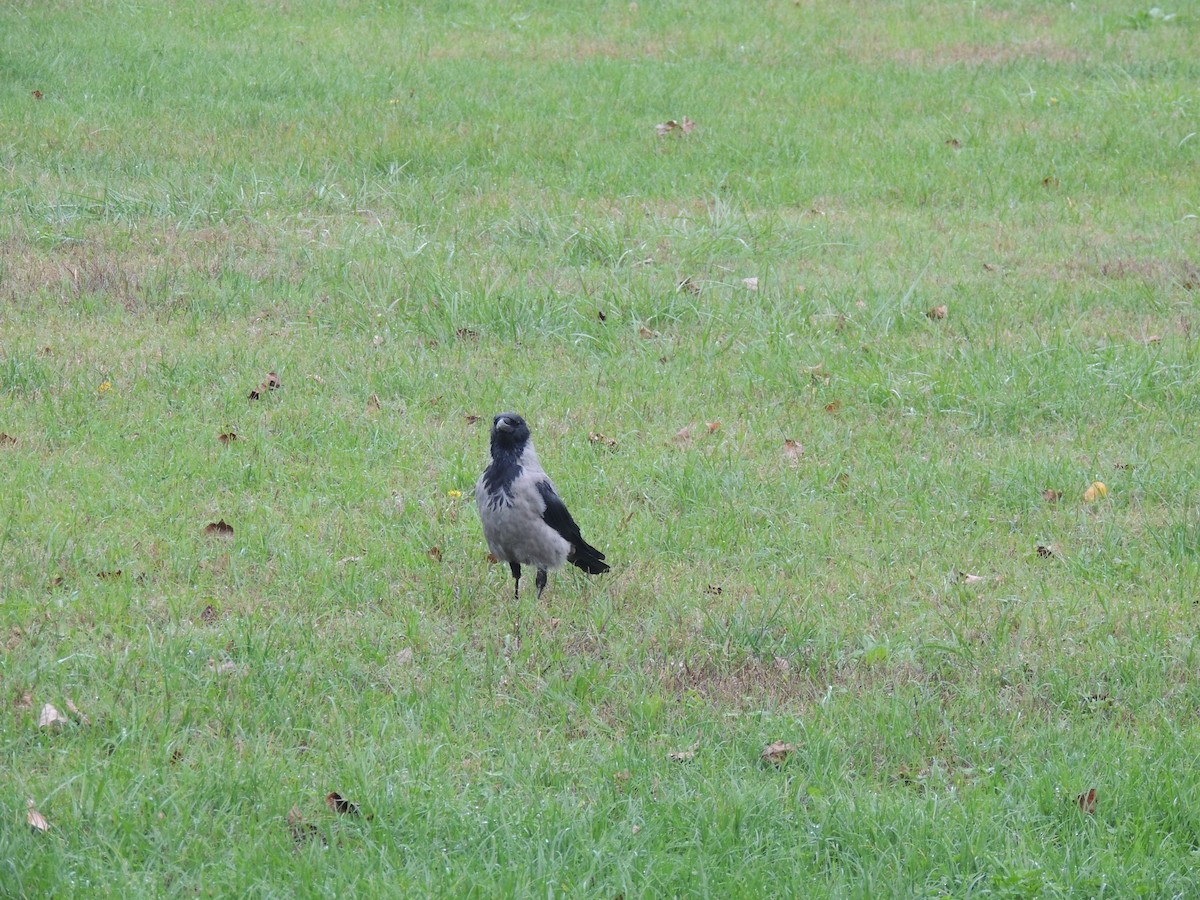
x: 540, y: 581
x: 516, y: 570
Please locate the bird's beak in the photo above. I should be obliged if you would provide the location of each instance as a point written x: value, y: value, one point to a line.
x: 503, y: 424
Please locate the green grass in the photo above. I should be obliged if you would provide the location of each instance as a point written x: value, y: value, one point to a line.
x: 416, y: 213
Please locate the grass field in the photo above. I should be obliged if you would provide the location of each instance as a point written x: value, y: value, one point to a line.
x: 419, y: 213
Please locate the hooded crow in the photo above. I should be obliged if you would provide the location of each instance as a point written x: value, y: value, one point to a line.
x: 524, y: 521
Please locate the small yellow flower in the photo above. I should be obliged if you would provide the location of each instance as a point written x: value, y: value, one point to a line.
x: 453, y: 495
x: 104, y: 387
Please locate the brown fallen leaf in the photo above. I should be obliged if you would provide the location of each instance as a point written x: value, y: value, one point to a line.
x: 990, y: 267
x: 6, y: 440
x: 751, y: 283
x: 208, y: 615
x: 714, y: 589
x: 687, y: 125
x: 601, y: 316
x: 227, y: 437
x: 1087, y: 801
x: 76, y: 712
x: 968, y: 578
x: 435, y: 553
x: 833, y: 406
x: 23, y: 701
x: 1049, y: 182
x: 689, y: 285
x: 36, y: 94
x: 176, y: 756
x: 596, y: 437
x: 937, y: 312
x: 404, y: 656
x: 51, y: 718
x: 54, y: 582
x: 671, y: 126
x: 36, y: 821
x: 843, y: 480
x: 373, y: 402
x: 1045, y: 552
x: 111, y: 573
x: 1123, y: 467
x: 777, y: 752
x: 954, y: 143
x: 645, y: 333
x: 1095, y: 491
x: 340, y: 804
x: 793, y: 450
x: 471, y: 418
x: 220, y: 528
x: 1051, y: 496
x: 466, y: 334
x: 1153, y: 339
x: 782, y: 665
x: 492, y: 559
x: 685, y: 755
x: 713, y: 427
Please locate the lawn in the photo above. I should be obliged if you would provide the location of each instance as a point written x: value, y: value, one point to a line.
x: 831, y: 374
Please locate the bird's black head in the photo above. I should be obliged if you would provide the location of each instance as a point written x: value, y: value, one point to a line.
x: 509, y: 433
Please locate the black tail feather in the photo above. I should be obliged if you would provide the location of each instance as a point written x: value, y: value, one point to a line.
x: 586, y: 557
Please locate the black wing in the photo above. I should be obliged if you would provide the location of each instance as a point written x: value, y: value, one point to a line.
x: 582, y: 554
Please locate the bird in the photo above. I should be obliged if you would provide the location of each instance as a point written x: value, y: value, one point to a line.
x: 525, y: 522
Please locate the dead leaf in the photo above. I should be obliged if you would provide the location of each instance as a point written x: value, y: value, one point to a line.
x: 404, y: 656
x: 112, y: 573
x: 1154, y: 339
x: 645, y: 333
x: 792, y: 449
x: 492, y: 559
x: 25, y: 701
x: 36, y: 95
x: 1051, y: 496
x: 687, y: 125
x: 208, y: 615
x: 714, y: 589
x: 471, y: 418
x: 51, y: 718
x: 990, y: 267
x: 777, y: 752
x: 35, y: 819
x: 683, y: 435
x: 74, y: 710
x: 466, y: 334
x: 220, y: 528
x: 6, y: 440
x: 782, y: 665
x: 227, y: 667
x: 751, y: 283
x: 227, y: 437
x: 689, y: 285
x: 373, y: 403
x: 340, y: 804
x: 56, y: 581
x: 1087, y: 801
x: 833, y: 406
x: 1045, y: 552
x: 635, y: 829
x: 968, y: 578
x: 1095, y: 491
x: 1049, y: 182
x: 685, y: 755
x: 953, y: 143
x: 713, y: 427
x: 596, y: 437
x: 937, y: 312
x: 843, y: 480
x: 176, y: 756
x: 435, y: 553
x: 601, y: 316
